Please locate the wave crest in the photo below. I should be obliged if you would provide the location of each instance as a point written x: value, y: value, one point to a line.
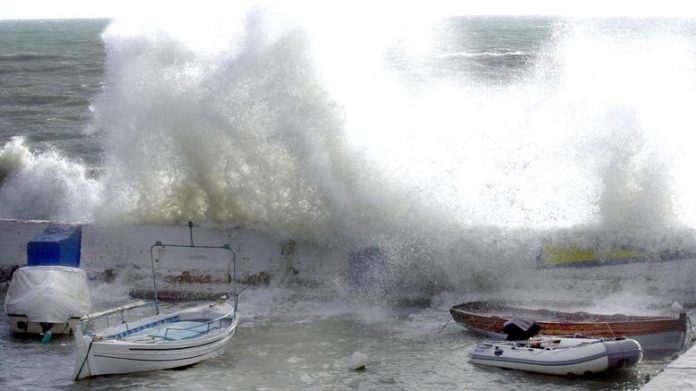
x: 44, y: 186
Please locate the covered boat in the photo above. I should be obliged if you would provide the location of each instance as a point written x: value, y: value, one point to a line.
x: 45, y: 298
x: 51, y: 290
x: 559, y: 356
x: 653, y: 333
x: 161, y: 341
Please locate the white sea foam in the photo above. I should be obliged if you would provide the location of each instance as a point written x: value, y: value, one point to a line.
x: 13, y: 157
x: 44, y: 186
x: 303, y: 126
x: 247, y: 134
x: 296, y: 124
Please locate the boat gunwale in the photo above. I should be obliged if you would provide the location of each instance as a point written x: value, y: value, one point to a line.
x: 170, y: 318
x: 160, y: 346
x: 483, y: 306
x: 602, y: 325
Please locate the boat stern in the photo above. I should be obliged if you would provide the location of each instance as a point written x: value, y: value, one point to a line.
x: 623, y: 353
x: 20, y: 324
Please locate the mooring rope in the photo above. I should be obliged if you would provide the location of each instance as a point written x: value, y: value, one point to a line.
x: 77, y: 374
x: 443, y: 327
x: 610, y: 330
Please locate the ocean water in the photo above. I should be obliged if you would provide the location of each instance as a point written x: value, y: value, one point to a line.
x: 51, y: 71
x: 291, y: 344
x: 460, y: 144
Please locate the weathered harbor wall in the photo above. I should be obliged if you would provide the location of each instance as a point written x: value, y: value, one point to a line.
x: 14, y: 236
x: 110, y: 251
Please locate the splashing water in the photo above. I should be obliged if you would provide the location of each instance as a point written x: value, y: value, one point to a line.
x: 287, y: 130
x: 348, y: 125
x: 44, y: 186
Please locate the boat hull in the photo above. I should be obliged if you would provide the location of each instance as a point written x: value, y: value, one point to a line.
x: 653, y: 333
x: 105, y: 359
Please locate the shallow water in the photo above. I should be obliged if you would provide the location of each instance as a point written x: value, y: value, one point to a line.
x: 307, y: 346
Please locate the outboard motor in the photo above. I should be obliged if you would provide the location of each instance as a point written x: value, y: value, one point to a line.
x: 520, y: 329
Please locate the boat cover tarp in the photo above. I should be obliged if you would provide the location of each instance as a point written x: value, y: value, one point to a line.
x: 520, y: 329
x: 59, y: 244
x: 50, y: 294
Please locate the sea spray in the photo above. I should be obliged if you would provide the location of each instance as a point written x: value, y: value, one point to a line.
x: 463, y: 166
x: 45, y: 186
x: 296, y: 124
x: 245, y: 135
x: 13, y: 157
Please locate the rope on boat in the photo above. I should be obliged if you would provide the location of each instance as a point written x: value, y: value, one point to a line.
x: 77, y: 374
x: 66, y: 327
x: 443, y: 327
x: 610, y: 330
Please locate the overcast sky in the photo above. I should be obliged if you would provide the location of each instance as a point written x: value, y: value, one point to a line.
x: 47, y: 9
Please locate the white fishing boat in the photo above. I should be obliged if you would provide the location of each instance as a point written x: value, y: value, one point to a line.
x: 173, y: 340
x: 559, y: 356
x: 162, y: 341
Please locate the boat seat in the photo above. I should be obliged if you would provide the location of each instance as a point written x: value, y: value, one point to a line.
x: 182, y: 330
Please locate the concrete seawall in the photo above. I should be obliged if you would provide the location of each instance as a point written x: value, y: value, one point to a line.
x: 109, y: 250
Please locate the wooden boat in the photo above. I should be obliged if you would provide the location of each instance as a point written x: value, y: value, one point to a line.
x: 161, y: 341
x: 653, y: 333
x: 559, y: 356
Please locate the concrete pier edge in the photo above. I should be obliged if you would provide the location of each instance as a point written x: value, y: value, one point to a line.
x: 680, y: 374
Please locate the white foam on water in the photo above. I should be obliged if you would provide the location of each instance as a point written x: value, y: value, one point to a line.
x: 301, y: 124
x: 45, y: 186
